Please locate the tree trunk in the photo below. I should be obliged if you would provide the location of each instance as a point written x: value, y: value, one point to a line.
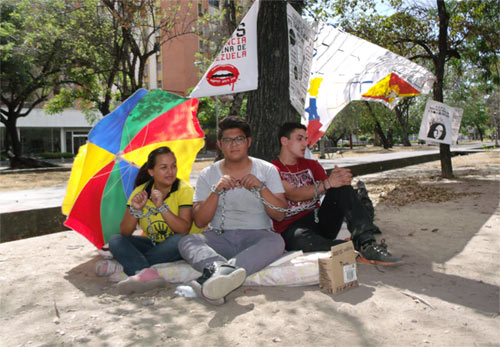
x: 13, y: 137
x: 402, y: 110
x: 235, y: 109
x: 440, y: 62
x: 378, y: 128
x: 269, y: 106
x: 390, y: 137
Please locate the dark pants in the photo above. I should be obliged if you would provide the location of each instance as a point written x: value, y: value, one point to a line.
x: 138, y: 252
x: 339, y: 203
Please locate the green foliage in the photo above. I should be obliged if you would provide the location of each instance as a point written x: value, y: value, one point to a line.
x: 43, y: 49
x: 471, y: 62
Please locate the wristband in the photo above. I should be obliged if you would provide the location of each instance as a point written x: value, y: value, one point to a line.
x: 214, y: 190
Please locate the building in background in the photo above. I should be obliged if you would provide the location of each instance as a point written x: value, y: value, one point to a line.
x: 175, y: 68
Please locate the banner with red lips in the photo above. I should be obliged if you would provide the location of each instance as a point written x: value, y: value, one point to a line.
x: 235, y: 69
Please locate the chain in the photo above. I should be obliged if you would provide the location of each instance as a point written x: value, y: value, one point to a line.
x: 256, y: 191
x: 150, y: 211
x: 297, y: 209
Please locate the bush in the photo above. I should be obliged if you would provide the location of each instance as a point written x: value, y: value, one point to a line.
x: 362, y: 138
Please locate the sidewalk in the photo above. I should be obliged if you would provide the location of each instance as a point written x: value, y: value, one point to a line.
x: 360, y: 165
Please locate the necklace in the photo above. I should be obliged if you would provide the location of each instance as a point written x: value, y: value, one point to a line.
x: 288, y: 167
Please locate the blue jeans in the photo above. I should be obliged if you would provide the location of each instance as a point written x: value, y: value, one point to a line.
x: 135, y: 253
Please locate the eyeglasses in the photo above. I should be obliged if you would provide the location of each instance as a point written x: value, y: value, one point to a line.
x: 239, y: 140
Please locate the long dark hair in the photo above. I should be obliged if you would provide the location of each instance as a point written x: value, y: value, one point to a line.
x: 433, y: 127
x: 143, y: 175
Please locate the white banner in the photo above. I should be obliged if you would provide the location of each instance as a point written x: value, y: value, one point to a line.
x: 440, y: 123
x: 347, y: 68
x: 235, y: 69
x: 300, y: 51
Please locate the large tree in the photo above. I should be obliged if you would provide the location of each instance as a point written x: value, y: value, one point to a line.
x: 269, y: 106
x: 40, y: 52
x: 432, y: 34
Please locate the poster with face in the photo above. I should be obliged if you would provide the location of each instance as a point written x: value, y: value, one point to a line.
x: 440, y: 123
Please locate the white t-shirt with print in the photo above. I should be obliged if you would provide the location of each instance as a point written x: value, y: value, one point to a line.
x: 242, y: 208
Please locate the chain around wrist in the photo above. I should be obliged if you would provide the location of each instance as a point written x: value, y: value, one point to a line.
x: 262, y: 187
x: 214, y: 190
x: 135, y: 213
x: 163, y: 208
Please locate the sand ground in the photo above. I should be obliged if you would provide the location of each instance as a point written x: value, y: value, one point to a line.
x: 447, y: 293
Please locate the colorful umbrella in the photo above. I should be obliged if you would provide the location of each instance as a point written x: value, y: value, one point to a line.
x: 105, y: 168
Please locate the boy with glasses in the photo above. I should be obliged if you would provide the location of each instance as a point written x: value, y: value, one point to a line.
x: 239, y: 239
x: 315, y: 228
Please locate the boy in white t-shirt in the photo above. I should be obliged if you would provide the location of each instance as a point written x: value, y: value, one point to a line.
x: 239, y: 239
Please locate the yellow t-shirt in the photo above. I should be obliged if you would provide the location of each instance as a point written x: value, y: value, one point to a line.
x: 181, y: 195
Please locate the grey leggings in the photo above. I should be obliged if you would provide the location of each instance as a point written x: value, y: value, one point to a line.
x: 252, y: 250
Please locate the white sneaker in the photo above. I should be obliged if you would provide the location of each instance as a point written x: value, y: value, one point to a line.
x: 107, y: 268
x: 220, y: 279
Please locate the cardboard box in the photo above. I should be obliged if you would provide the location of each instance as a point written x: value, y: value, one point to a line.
x: 339, y: 272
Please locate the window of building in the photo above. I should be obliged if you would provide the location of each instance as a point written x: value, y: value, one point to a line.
x: 160, y: 84
x: 200, y: 10
x: 35, y: 141
x: 214, y: 3
x: 75, y: 139
x: 200, y: 44
x: 158, y: 66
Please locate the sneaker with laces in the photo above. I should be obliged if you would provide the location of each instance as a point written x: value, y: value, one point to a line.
x: 107, y: 267
x: 378, y: 255
x: 218, y: 280
x: 144, y: 280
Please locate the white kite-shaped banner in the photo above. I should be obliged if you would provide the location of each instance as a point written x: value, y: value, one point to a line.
x: 440, y: 123
x: 347, y: 68
x: 235, y: 69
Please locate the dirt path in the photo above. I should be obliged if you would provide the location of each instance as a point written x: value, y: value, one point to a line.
x: 447, y: 294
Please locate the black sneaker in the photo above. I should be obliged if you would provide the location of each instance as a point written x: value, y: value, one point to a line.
x: 217, y: 281
x: 378, y: 255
